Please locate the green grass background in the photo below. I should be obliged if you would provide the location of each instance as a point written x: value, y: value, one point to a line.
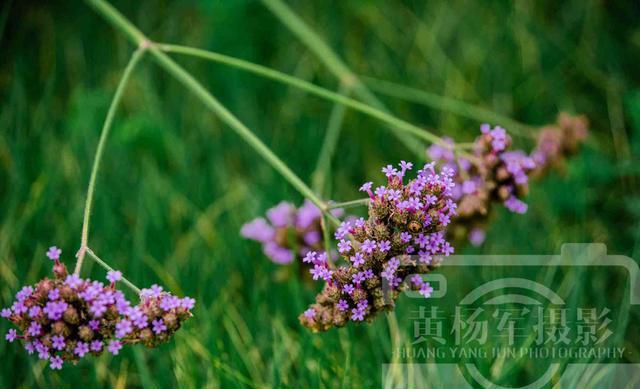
x: 176, y: 185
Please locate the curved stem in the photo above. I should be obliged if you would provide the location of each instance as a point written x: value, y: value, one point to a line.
x: 349, y: 204
x: 447, y: 104
x: 109, y: 268
x: 394, y: 122
x: 135, y: 58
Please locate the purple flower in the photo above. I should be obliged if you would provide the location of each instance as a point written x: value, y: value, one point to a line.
x: 24, y: 293
x: 54, y: 253
x: 344, y: 246
x: 318, y: 271
x: 343, y: 229
x: 97, y: 308
x: 389, y: 171
x: 357, y: 259
x: 35, y: 328
x: 258, y: 229
x: 114, y: 276
x: 188, y: 303
x: 34, y: 311
x: 29, y: 347
x: 54, y: 294
x: 123, y: 328
x: 56, y: 363
x: 278, y: 253
x: 358, y: 278
x: 141, y: 321
x: 281, y: 215
x: 348, y: 288
x: 357, y: 314
x: 426, y: 290
x: 158, y: 326
x: 81, y: 349
x: 19, y: 307
x: 384, y: 246
x: 73, y: 281
x: 307, y: 214
x: 310, y: 313
x: 311, y: 257
x: 43, y: 351
x: 366, y: 187
x: 96, y: 345
x: 404, y: 166
x: 94, y: 324
x: 515, y: 205
x: 57, y: 342
x: 476, y: 236
x: 405, y: 237
x: 114, y: 347
x: 6, y: 313
x: 342, y: 305
x: 368, y: 246
x: 11, y: 335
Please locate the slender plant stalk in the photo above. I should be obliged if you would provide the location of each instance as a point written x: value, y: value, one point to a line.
x: 334, y: 63
x: 321, y: 174
x: 106, y: 128
x: 447, y: 104
x: 349, y: 204
x: 395, y: 123
x: 109, y: 268
x: 121, y: 23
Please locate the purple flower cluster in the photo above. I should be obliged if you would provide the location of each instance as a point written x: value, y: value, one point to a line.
x: 68, y: 318
x: 403, y: 235
x: 560, y: 140
x: 286, y: 229
x: 494, y: 173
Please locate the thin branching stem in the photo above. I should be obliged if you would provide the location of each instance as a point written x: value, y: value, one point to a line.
x: 187, y: 80
x: 349, y: 204
x: 395, y: 124
x: 106, y: 128
x: 446, y: 104
x: 102, y: 263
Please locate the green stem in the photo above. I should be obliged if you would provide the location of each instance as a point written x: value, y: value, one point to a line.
x: 447, y: 104
x: 392, y: 121
x: 187, y: 80
x: 349, y: 204
x: 106, y: 128
x: 109, y: 268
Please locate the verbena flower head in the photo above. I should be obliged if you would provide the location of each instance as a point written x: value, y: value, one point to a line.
x: 403, y: 235
x: 68, y: 318
x: 560, y: 140
x: 494, y: 174
x: 285, y: 229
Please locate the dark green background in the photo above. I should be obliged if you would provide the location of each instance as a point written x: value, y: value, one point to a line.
x: 176, y: 184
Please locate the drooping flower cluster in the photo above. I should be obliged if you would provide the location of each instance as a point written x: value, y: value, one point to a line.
x: 289, y: 231
x: 558, y: 141
x: 403, y: 235
x: 67, y: 318
x: 493, y: 174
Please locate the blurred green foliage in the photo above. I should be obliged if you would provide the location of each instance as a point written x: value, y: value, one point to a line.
x: 176, y: 185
